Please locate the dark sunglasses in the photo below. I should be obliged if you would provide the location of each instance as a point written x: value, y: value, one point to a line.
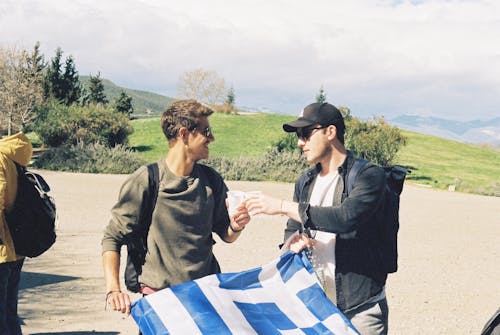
x: 207, y: 132
x: 305, y: 133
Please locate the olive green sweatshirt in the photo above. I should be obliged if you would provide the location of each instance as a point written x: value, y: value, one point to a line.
x: 188, y: 210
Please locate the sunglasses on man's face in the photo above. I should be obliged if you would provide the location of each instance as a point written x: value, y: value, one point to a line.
x: 305, y: 133
x: 207, y: 132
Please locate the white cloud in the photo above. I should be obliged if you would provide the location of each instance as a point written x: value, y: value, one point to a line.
x: 377, y: 57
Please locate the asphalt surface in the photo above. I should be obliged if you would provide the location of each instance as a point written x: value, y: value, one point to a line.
x: 448, y: 281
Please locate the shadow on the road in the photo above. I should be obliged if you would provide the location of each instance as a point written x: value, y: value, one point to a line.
x: 33, y: 279
x: 78, y: 333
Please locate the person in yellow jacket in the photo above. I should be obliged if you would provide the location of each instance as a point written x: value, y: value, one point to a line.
x: 16, y: 148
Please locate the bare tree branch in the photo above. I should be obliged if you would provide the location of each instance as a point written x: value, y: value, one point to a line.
x: 20, y: 90
x: 202, y: 85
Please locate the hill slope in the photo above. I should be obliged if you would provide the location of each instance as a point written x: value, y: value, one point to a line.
x: 145, y: 103
x: 443, y: 164
x: 435, y: 162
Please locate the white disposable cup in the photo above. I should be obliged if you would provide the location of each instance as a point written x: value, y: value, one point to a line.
x: 234, y: 199
x: 252, y: 194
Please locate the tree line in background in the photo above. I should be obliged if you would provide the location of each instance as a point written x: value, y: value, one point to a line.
x: 47, y: 97
x: 84, y: 132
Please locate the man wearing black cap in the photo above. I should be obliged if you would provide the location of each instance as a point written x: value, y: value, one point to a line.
x: 346, y: 224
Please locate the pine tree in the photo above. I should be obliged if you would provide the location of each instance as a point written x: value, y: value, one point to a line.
x: 71, y: 83
x: 96, y: 90
x: 53, y: 77
x: 230, y: 99
x: 63, y: 86
x: 123, y: 104
x: 321, y: 96
x: 34, y: 73
x: 36, y: 63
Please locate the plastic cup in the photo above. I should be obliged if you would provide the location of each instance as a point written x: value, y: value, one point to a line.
x: 252, y: 194
x: 234, y: 199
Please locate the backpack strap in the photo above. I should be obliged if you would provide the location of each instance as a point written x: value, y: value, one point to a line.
x: 20, y: 169
x: 358, y: 164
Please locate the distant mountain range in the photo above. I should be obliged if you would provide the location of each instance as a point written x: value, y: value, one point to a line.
x: 475, y: 131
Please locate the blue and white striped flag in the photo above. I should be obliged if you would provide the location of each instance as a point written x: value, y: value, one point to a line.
x: 283, y: 297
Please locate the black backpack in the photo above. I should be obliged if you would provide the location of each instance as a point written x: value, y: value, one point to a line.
x: 388, y: 213
x: 137, y: 242
x: 32, y: 218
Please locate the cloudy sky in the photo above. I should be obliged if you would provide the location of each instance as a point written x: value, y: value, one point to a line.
x: 378, y: 57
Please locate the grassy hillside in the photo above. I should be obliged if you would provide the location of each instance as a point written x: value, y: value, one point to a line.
x: 235, y: 135
x: 145, y: 104
x: 440, y: 163
x: 434, y: 161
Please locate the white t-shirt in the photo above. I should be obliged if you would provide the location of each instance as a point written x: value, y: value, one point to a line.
x: 324, y: 188
x: 323, y: 259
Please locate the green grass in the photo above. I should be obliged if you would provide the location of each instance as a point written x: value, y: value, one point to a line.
x: 235, y: 135
x: 440, y: 163
x: 434, y: 161
x: 148, y: 139
x: 245, y: 135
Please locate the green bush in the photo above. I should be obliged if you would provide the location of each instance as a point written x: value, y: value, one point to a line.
x: 287, y: 142
x: 51, y: 125
x: 74, y: 124
x: 279, y: 166
x: 91, y: 158
x: 243, y: 168
x: 285, y: 166
x: 374, y: 140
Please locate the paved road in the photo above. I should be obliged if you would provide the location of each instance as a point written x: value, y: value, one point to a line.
x: 448, y: 282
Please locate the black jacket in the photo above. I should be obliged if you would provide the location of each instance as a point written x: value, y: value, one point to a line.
x: 359, y: 270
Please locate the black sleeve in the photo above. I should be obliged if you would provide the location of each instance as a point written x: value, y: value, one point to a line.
x: 358, y: 207
x: 291, y: 225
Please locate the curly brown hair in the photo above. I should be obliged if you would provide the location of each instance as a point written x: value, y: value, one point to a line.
x: 183, y: 113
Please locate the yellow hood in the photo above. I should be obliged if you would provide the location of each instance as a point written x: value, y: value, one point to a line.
x: 17, y: 147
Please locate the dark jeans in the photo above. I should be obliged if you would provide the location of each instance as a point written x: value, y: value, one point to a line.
x: 10, y: 273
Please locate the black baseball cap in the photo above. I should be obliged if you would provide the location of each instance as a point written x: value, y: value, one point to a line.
x: 324, y: 114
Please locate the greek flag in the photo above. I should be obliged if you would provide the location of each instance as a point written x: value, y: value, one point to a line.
x: 283, y: 297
